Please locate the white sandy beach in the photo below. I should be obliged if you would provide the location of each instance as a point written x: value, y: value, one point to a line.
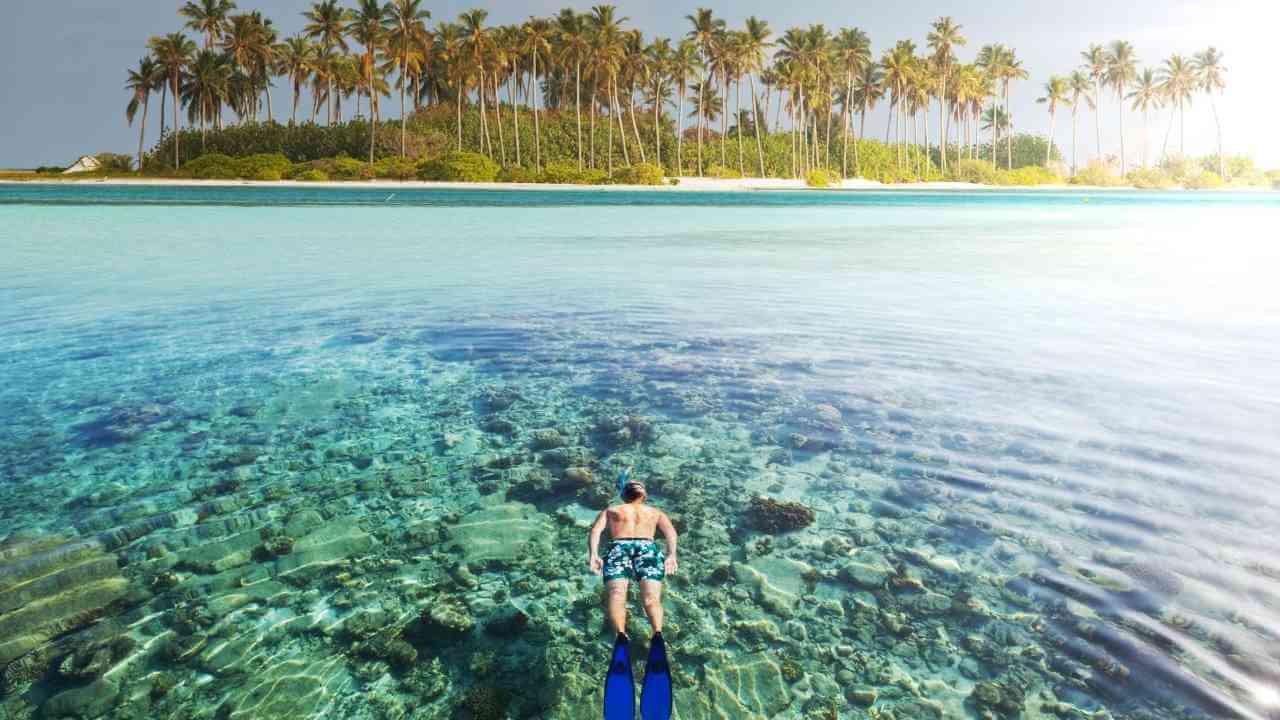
x: 686, y: 184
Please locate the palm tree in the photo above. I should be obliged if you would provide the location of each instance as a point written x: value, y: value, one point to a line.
x: 173, y: 52
x: 1012, y: 70
x: 853, y: 54
x: 1177, y: 82
x: 1122, y: 70
x: 538, y: 34
x: 944, y: 38
x: 1095, y: 65
x: 658, y: 61
x: 683, y: 65
x: 208, y: 17
x: 405, y: 23
x: 1081, y: 87
x: 1210, y: 78
x: 477, y: 41
x: 327, y: 23
x: 1145, y: 96
x: 205, y: 87
x: 755, y: 43
x: 609, y: 50
x: 868, y: 89
x: 899, y: 65
x: 451, y: 54
x: 366, y: 27
x: 295, y: 58
x: 140, y: 85
x: 575, y: 44
x: 246, y: 44
x: 1055, y: 94
x: 706, y: 34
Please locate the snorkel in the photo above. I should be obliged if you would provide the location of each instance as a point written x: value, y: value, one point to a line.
x: 622, y: 480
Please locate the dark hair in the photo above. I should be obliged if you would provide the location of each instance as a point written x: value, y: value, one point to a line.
x: 633, y: 490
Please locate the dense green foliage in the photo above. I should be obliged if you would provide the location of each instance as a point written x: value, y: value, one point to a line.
x: 460, y: 166
x: 819, y: 178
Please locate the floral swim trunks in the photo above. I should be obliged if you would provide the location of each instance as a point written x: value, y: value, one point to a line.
x: 634, y: 559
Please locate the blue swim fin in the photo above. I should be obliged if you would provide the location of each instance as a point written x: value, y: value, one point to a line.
x: 655, y: 696
x: 619, y: 687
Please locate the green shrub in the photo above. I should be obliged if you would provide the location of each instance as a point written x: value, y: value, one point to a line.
x: 819, y: 178
x: 673, y: 181
x: 395, y: 168
x: 345, y: 168
x: 49, y: 170
x: 563, y: 173
x: 313, y: 176
x: 460, y: 166
x: 214, y: 166
x: 1205, y: 180
x: 639, y: 174
x: 1151, y: 179
x: 254, y: 165
x: 1030, y: 175
x: 1095, y: 173
x: 723, y: 173
x: 975, y: 171
x: 518, y: 175
x: 114, y: 162
x: 1179, y: 168
x: 268, y: 175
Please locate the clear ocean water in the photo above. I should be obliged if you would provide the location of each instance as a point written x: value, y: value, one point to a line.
x: 273, y: 452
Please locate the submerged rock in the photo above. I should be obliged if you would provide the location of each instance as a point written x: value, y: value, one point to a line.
x: 778, y: 516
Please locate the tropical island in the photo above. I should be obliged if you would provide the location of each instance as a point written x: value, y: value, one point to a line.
x: 582, y: 98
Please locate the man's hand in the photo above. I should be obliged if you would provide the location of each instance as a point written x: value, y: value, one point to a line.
x: 596, y: 564
x: 671, y: 565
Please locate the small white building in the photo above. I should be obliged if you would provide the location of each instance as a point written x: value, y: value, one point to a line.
x: 86, y: 163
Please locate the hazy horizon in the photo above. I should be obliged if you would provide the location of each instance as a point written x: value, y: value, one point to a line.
x: 71, y: 102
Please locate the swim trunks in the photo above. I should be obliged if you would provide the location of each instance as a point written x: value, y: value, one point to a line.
x: 634, y: 559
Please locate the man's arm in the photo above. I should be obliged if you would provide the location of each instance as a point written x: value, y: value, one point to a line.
x: 593, y: 542
x: 669, y: 532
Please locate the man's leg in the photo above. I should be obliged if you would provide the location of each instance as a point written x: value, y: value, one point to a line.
x: 618, y: 604
x: 651, y: 596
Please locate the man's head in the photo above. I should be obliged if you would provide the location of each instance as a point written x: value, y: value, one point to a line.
x: 633, y: 491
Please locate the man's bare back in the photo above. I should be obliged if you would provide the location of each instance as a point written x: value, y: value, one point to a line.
x: 630, y: 520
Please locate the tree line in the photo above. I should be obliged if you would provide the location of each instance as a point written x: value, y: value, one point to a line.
x: 1113, y: 71
x: 812, y: 85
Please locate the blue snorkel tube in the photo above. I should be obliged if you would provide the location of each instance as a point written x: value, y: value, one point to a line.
x: 622, y: 480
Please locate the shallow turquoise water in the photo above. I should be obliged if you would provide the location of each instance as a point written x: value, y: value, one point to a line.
x: 1037, y: 430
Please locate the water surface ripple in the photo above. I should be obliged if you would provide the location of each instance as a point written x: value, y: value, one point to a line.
x: 318, y: 452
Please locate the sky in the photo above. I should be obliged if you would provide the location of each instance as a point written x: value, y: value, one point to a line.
x: 67, y: 60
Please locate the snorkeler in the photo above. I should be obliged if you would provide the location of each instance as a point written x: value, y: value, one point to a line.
x: 633, y: 555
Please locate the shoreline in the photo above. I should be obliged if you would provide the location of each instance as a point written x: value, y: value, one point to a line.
x: 686, y: 184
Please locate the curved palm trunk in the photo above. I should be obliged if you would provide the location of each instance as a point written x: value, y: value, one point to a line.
x: 631, y: 105
x: 537, y: 132
x: 515, y: 110
x: 1222, y: 161
x: 497, y: 109
x: 297, y: 94
x: 270, y: 115
x: 608, y: 91
x: 680, y: 129
x: 657, y: 125
x: 724, y: 115
x: 404, y: 128
x: 1182, y: 129
x: 457, y: 101
x: 1048, y: 151
x: 1074, y: 125
x: 1120, y: 109
x: 738, y: 114
x: 701, y: 92
x: 622, y: 128
x: 1008, y: 112
x: 142, y: 128
x: 1097, y: 113
x: 942, y: 111
x: 757, y: 122
x: 177, y: 131
x: 593, y: 123
x: 485, y: 141
x: 1164, y: 150
x: 577, y: 106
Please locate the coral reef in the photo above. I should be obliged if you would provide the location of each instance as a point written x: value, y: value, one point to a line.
x: 778, y: 516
